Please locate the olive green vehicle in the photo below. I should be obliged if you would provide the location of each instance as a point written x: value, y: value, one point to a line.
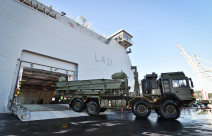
x: 165, y: 95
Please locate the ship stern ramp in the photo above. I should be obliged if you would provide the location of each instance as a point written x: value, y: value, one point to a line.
x: 31, y: 112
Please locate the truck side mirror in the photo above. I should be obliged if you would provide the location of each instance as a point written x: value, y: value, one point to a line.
x: 192, y: 85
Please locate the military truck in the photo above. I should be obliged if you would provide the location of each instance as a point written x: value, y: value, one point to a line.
x: 202, y: 98
x: 165, y: 95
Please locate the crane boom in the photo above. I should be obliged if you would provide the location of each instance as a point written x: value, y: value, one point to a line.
x: 201, y: 70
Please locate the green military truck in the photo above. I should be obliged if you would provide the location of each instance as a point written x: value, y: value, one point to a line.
x: 165, y: 94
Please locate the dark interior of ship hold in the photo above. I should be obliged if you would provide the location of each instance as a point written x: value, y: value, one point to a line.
x: 38, y: 86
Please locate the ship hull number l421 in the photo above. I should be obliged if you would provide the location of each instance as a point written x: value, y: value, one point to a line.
x: 103, y: 59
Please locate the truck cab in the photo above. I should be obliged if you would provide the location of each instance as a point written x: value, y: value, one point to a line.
x: 175, y: 83
x: 179, y: 84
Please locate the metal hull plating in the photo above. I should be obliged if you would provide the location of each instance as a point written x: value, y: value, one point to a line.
x: 25, y: 28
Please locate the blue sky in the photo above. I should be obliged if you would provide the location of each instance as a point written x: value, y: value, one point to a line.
x: 157, y: 27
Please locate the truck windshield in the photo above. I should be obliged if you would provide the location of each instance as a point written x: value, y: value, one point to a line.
x: 179, y: 83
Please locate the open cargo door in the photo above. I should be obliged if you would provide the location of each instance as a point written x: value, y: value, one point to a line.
x: 36, y: 84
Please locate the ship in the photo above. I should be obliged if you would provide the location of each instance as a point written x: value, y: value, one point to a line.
x: 38, y: 45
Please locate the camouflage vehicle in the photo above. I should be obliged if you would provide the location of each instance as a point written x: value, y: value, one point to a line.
x: 165, y: 95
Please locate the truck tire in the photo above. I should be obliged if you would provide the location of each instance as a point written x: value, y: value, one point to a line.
x: 78, y: 105
x: 103, y: 109
x: 169, y: 110
x: 141, y: 109
x: 92, y: 108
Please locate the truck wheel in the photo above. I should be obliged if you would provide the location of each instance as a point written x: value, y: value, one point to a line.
x: 78, y: 105
x: 92, y: 108
x: 103, y: 109
x: 141, y: 109
x: 169, y: 110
